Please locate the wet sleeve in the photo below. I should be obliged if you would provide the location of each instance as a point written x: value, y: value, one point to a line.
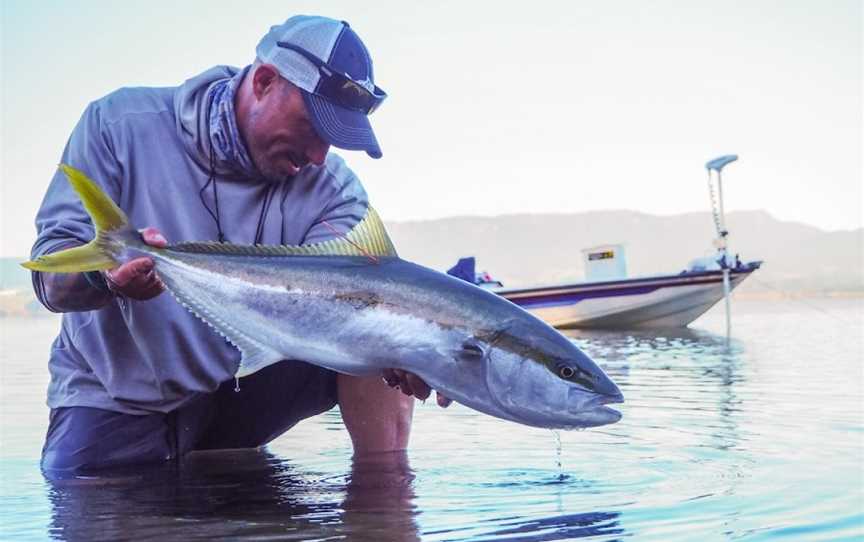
x: 61, y: 221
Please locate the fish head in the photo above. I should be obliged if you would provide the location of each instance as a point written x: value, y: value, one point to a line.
x: 538, y: 377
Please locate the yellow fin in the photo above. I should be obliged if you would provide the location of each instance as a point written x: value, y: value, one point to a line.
x: 371, y: 234
x: 74, y: 260
x: 98, y: 254
x: 103, y: 211
x: 368, y: 238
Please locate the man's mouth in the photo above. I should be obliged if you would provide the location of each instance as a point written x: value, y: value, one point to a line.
x: 295, y: 164
x: 298, y: 162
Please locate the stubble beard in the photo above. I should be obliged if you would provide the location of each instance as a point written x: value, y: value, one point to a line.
x: 266, y: 168
x: 267, y: 171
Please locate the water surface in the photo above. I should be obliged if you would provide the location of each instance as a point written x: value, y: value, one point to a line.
x: 760, y: 438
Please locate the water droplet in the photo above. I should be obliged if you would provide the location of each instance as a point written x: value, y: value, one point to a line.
x: 558, y: 450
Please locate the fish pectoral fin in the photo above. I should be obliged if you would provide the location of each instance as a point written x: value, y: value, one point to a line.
x: 254, y: 356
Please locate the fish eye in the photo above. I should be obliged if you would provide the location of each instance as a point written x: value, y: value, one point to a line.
x: 566, y: 371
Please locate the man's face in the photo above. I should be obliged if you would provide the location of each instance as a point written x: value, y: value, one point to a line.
x: 278, y: 132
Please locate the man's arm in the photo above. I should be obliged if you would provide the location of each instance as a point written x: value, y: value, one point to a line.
x: 62, y: 223
x: 70, y: 292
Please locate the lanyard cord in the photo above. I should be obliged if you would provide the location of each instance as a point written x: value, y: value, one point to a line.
x: 282, y: 208
x: 265, y: 207
x: 214, y: 213
x: 212, y: 179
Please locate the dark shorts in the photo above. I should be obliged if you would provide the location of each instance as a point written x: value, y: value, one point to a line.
x: 85, y: 441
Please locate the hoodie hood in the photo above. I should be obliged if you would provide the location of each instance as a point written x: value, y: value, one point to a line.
x: 193, y: 103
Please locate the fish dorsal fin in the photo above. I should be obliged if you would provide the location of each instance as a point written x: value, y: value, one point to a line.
x: 371, y: 235
x: 368, y: 238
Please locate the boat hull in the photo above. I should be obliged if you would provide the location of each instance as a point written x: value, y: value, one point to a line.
x: 651, y: 302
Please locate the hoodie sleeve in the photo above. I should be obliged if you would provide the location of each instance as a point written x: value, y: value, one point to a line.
x: 61, y: 221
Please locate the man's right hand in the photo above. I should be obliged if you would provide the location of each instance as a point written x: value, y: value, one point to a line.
x: 137, y: 279
x: 411, y: 384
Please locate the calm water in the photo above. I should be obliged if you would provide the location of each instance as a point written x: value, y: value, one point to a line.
x: 761, y: 439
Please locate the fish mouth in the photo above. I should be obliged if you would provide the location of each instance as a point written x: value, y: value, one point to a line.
x: 603, y: 400
x: 610, y: 399
x: 606, y: 411
x: 595, y: 412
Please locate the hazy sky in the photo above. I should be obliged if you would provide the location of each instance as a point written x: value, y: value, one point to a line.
x: 497, y: 107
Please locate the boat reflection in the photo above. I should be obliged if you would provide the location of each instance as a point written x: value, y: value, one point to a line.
x: 697, y: 374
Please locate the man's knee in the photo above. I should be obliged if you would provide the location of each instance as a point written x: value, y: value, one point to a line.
x: 83, y: 441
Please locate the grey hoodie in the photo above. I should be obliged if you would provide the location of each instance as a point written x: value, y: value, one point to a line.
x: 149, y: 150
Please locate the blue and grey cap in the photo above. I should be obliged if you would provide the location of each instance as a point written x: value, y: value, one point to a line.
x: 327, y: 61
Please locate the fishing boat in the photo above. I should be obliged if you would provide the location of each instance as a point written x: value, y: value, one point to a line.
x: 609, y: 299
x: 658, y: 301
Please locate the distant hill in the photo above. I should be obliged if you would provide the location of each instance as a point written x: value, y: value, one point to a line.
x: 524, y: 250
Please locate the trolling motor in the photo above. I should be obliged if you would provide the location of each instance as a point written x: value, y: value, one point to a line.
x: 720, y: 243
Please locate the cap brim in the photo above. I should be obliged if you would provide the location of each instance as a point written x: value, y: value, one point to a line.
x: 340, y: 127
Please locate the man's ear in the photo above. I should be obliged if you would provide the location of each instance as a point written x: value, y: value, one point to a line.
x: 264, y: 79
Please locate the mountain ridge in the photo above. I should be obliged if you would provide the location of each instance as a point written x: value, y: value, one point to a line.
x: 768, y: 214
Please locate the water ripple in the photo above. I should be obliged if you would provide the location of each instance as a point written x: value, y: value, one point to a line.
x: 758, y: 437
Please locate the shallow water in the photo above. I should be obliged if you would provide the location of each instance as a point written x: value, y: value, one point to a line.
x: 762, y: 438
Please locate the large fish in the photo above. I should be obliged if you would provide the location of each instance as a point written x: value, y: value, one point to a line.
x: 353, y: 306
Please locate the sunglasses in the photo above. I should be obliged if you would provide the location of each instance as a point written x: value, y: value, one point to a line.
x: 340, y: 87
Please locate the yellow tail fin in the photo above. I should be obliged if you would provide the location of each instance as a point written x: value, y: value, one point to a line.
x: 107, y: 218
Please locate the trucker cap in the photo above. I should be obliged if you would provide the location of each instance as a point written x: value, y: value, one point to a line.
x: 327, y: 61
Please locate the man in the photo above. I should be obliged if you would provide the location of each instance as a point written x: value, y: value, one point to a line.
x: 234, y: 155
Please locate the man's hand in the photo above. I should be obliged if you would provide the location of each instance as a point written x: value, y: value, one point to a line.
x: 411, y: 384
x: 137, y: 279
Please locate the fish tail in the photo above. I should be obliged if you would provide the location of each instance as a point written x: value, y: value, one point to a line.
x: 109, y: 221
